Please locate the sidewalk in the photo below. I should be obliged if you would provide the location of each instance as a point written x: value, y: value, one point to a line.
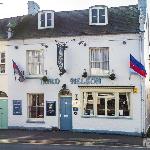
x: 67, y: 138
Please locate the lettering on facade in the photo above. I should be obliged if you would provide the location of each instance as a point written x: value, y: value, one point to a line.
x: 51, y: 81
x: 88, y: 80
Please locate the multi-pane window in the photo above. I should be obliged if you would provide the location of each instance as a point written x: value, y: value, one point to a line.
x: 88, y: 104
x: 99, y: 61
x: 45, y: 19
x: 36, y: 105
x: 35, y: 62
x: 106, y: 104
x: 98, y: 16
x: 2, y: 62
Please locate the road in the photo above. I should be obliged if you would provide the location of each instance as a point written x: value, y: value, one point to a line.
x: 64, y: 147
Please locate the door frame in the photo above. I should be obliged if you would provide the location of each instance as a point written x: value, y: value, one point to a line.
x: 59, y: 117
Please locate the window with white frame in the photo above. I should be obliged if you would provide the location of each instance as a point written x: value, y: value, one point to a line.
x: 115, y: 104
x: 98, y: 15
x: 2, y: 62
x: 99, y: 61
x: 35, y: 62
x: 35, y: 106
x: 45, y: 19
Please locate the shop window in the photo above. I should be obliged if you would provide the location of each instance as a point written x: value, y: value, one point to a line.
x: 124, y: 104
x: 99, y: 61
x: 2, y: 63
x: 36, y: 105
x: 106, y: 104
x: 88, y: 103
x: 35, y: 62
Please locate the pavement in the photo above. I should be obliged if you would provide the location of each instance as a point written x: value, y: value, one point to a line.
x: 67, y: 138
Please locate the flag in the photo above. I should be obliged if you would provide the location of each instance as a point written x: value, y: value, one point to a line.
x: 137, y: 66
x: 17, y: 71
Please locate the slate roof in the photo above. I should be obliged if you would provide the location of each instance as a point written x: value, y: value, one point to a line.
x: 123, y: 19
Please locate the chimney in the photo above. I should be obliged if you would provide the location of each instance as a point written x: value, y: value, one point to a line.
x: 33, y: 8
x: 142, y: 6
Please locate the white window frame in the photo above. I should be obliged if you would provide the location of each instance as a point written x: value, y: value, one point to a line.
x: 95, y: 96
x: 45, y: 13
x: 98, y: 8
x: 28, y: 105
x: 27, y: 64
x: 98, y: 71
x: 4, y: 62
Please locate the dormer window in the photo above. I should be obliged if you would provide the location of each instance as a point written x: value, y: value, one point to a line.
x: 98, y: 15
x: 45, y: 19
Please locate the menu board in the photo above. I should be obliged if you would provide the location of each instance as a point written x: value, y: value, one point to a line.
x: 17, y: 107
x: 51, y: 108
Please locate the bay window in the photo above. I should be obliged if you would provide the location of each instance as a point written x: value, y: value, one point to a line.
x: 108, y: 104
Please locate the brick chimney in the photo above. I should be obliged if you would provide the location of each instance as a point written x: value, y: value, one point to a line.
x: 33, y: 8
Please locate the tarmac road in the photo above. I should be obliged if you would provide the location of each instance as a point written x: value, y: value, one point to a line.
x: 64, y: 147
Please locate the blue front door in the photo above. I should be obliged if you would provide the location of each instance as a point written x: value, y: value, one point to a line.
x: 65, y: 113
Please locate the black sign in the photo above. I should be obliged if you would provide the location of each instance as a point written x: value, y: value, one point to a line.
x: 60, y: 57
x: 51, y: 108
x: 17, y: 107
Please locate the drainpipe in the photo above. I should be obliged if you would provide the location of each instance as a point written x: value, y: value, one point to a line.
x: 142, y: 83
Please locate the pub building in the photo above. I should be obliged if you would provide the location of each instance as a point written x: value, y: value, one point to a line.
x: 70, y: 70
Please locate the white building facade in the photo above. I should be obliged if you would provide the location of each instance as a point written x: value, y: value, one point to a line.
x: 76, y: 77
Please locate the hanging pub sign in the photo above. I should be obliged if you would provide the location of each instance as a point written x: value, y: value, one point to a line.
x: 51, y: 108
x: 60, y: 57
x: 88, y: 80
x: 17, y: 107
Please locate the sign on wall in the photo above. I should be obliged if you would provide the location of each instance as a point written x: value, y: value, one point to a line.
x: 51, y: 108
x: 17, y: 107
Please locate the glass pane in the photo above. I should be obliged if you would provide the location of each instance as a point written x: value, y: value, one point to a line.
x: 2, y: 68
x: 88, y: 104
x: 40, y: 112
x: 123, y: 104
x: 94, y: 15
x: 32, y: 112
x: 40, y: 100
x: 49, y: 19
x: 111, y: 107
x: 101, y: 106
x: 101, y: 15
x: 2, y: 57
x: 42, y: 20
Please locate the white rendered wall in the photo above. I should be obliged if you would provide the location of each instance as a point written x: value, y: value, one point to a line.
x: 76, y: 60
x: 3, y: 77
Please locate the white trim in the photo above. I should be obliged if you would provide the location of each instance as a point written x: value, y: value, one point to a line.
x: 52, y: 19
x: 98, y: 7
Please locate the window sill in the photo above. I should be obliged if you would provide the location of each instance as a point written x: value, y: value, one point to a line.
x: 108, y: 117
x: 34, y: 77
x: 30, y: 121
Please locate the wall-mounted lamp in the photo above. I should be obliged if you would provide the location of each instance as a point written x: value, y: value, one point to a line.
x: 84, y: 75
x: 76, y: 96
x: 124, y: 42
x: 43, y: 44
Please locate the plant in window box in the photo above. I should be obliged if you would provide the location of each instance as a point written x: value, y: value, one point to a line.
x: 44, y: 79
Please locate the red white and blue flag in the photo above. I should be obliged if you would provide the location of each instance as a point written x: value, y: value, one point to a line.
x: 137, y: 66
x: 17, y: 71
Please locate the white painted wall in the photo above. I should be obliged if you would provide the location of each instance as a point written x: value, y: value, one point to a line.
x: 76, y: 60
x: 3, y: 77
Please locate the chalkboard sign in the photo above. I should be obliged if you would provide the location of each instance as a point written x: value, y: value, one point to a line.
x: 17, y: 107
x: 51, y: 108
